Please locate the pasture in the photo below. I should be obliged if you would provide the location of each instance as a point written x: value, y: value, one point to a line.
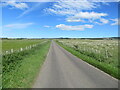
x: 7, y: 45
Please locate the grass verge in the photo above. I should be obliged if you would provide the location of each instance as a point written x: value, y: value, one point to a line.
x: 25, y: 71
x: 113, y: 71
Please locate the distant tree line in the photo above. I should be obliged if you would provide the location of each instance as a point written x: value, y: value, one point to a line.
x: 109, y: 38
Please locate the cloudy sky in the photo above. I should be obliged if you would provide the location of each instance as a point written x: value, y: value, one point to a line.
x: 70, y: 18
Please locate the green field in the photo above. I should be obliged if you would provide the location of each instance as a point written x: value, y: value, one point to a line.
x: 17, y: 44
x: 100, y: 53
x: 21, y: 68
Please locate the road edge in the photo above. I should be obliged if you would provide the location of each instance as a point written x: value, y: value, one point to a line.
x: 90, y: 64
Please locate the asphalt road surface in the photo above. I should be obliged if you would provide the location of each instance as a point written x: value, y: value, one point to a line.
x: 64, y: 70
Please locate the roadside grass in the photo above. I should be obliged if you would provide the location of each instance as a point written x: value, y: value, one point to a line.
x: 26, y: 70
x: 0, y: 64
x: 113, y: 71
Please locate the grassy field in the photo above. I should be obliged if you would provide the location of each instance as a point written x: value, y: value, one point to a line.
x: 100, y: 53
x: 20, y: 69
x: 17, y: 44
x: 0, y: 46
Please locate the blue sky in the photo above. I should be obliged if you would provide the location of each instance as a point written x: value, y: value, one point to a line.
x: 73, y: 19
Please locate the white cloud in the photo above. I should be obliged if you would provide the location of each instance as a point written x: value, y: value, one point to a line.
x: 73, y: 10
x: 15, y: 4
x: 18, y: 25
x: 21, y: 5
x: 104, y: 21
x: 29, y: 10
x: 30, y: 0
x: 68, y: 27
x: 61, y: 12
x: 74, y: 20
x: 47, y: 26
x: 89, y: 15
x: 116, y: 21
x: 71, y: 7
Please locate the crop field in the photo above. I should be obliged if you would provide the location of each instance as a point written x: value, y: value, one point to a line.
x: 19, y: 69
x: 100, y: 53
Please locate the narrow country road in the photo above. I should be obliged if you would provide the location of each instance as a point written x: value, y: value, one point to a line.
x: 63, y: 70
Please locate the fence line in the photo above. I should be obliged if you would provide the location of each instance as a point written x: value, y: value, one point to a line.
x: 22, y: 49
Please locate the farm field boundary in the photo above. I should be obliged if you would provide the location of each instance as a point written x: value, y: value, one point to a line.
x: 11, y: 46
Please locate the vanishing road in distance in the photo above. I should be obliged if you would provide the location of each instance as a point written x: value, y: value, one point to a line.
x: 64, y: 70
